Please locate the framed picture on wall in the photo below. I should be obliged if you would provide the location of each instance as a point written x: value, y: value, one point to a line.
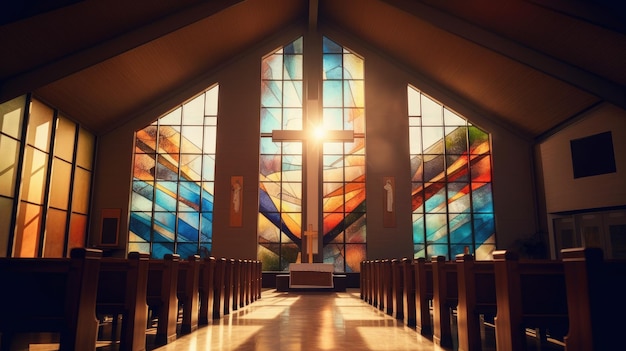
x: 110, y: 227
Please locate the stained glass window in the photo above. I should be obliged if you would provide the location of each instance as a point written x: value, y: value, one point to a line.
x: 41, y: 219
x: 451, y: 181
x: 280, y: 224
x: 174, y: 179
x: 343, y: 183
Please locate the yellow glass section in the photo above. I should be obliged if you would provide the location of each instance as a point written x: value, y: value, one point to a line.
x: 34, y: 175
x: 27, y: 231
x: 64, y: 139
x: 6, y: 207
x: 39, y: 126
x: 11, y: 113
x: 8, y: 163
x: 84, y: 152
x: 60, y: 184
x: 55, y: 233
x: 80, y: 196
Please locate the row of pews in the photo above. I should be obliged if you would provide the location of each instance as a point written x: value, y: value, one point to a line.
x: 70, y: 296
x: 577, y: 301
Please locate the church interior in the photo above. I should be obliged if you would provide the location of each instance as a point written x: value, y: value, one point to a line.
x: 186, y: 128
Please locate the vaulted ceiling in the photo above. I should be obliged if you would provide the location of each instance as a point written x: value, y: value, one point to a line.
x: 533, y: 65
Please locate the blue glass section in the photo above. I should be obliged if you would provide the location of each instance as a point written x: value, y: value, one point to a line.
x: 484, y: 227
x: 270, y: 119
x: 159, y: 250
x: 418, y: 229
x: 333, y: 93
x: 271, y: 94
x: 206, y: 227
x: 330, y: 46
x: 482, y: 200
x: 436, y: 203
x: 207, y: 201
x: 187, y: 249
x: 294, y: 47
x: 460, y: 229
x: 293, y: 67
x: 140, y: 224
x: 189, y: 195
x: 164, y: 201
x: 332, y: 66
x: 188, y: 227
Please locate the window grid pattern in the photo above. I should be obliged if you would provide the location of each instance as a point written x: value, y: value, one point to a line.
x: 451, y: 171
x: 173, y: 181
x: 279, y: 224
x: 343, y: 183
x: 50, y: 216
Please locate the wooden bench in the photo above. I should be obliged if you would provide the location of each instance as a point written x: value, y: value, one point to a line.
x: 162, y: 296
x: 477, y: 296
x: 206, y: 290
x: 51, y: 295
x: 218, y: 288
x: 529, y: 294
x: 595, y: 294
x: 397, y: 289
x: 188, y: 293
x: 122, y: 287
x: 409, y: 291
x: 423, y: 295
x: 445, y: 299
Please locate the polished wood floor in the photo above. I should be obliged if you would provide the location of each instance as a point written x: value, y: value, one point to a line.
x: 305, y: 321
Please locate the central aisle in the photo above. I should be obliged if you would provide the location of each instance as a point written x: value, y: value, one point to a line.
x: 306, y: 321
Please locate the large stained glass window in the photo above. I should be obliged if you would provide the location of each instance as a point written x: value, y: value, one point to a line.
x: 280, y: 170
x: 451, y: 182
x: 47, y: 216
x: 173, y: 181
x: 281, y: 207
x: 343, y: 184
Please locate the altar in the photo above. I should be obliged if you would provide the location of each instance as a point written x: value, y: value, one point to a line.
x: 311, y: 275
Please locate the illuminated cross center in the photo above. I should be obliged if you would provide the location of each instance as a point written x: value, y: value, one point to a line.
x: 312, y: 142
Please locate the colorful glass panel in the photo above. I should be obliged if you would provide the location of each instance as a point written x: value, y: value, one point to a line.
x: 279, y: 225
x: 343, y: 176
x: 451, y: 174
x: 173, y: 181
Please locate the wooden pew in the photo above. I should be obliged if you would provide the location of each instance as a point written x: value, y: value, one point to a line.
x: 206, y: 290
x: 477, y: 296
x: 409, y: 291
x: 218, y: 288
x: 244, y: 294
x: 51, y: 295
x: 259, y: 278
x: 161, y: 296
x: 397, y: 289
x: 529, y: 294
x: 122, y: 287
x: 445, y: 299
x: 595, y: 293
x: 228, y: 285
x: 188, y: 292
x: 423, y: 294
x: 386, y: 287
x: 235, y: 283
x: 376, y: 283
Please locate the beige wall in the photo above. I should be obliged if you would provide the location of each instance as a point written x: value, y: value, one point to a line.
x: 387, y: 154
x: 562, y: 191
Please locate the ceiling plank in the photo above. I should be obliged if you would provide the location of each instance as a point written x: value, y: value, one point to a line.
x: 79, y: 60
x: 573, y: 75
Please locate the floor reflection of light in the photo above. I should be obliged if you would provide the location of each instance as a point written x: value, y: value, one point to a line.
x: 397, y: 339
x: 217, y: 338
x: 326, y: 341
x: 267, y: 312
x: 358, y: 313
